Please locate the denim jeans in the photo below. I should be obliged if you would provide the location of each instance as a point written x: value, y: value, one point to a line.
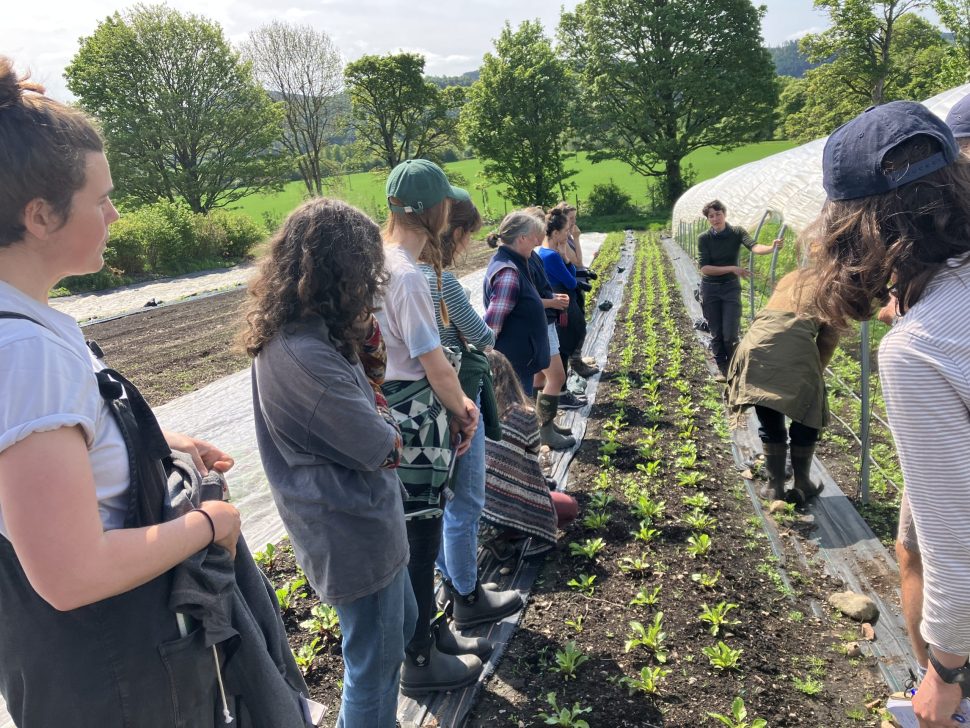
x: 458, y: 557
x: 375, y: 629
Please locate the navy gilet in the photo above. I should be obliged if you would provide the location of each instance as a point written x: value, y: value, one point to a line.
x: 524, y: 338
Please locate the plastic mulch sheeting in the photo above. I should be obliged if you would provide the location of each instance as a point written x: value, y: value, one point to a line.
x: 848, y: 546
x: 450, y: 710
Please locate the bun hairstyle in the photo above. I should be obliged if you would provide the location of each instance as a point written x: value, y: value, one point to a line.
x: 565, y: 207
x: 556, y: 219
x: 514, y: 226
x: 43, y: 151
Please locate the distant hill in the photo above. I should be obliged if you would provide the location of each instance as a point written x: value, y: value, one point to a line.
x: 465, y: 79
x: 789, y: 61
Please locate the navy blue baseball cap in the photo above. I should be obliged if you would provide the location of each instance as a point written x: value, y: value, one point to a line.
x: 854, y: 153
x: 959, y: 118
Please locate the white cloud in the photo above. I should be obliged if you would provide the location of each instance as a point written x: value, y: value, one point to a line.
x: 805, y: 31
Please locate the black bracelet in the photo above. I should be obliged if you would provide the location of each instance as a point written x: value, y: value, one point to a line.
x: 212, y: 525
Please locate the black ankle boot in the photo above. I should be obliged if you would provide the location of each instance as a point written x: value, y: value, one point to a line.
x: 451, y: 643
x: 430, y: 671
x: 483, y: 606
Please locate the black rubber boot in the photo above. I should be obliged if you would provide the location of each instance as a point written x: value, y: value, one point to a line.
x: 801, y: 463
x: 583, y: 369
x: 483, y: 606
x: 451, y: 643
x: 546, y: 407
x: 776, y: 458
x: 431, y: 671
x: 562, y: 429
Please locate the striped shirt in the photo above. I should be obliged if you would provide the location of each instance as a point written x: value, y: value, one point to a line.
x: 463, y: 318
x: 924, y: 364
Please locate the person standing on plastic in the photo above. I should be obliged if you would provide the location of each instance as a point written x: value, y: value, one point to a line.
x: 328, y: 444
x: 468, y: 335
x: 437, y: 421
x: 897, y: 220
x: 86, y: 567
x: 719, y: 251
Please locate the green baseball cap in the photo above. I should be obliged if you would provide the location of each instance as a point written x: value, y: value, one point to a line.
x: 420, y: 185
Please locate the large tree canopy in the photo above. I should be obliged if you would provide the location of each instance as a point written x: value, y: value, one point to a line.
x: 182, y: 115
x: 301, y: 66
x: 918, y: 64
x: 859, y: 42
x: 518, y: 114
x: 663, y: 78
x: 397, y: 114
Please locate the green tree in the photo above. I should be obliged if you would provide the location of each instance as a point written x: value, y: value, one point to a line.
x: 859, y: 44
x: 518, y: 116
x: 397, y: 114
x: 955, y: 16
x: 301, y: 67
x: 918, y: 53
x: 920, y: 64
x: 183, y: 117
x: 661, y: 79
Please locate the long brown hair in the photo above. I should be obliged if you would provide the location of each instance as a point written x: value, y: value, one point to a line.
x: 464, y: 216
x: 326, y: 259
x: 432, y: 223
x: 43, y: 150
x: 508, y: 389
x: 900, y: 238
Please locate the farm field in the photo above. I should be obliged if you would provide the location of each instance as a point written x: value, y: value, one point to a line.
x: 366, y: 189
x: 663, y: 604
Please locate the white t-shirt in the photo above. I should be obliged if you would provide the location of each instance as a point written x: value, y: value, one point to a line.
x: 406, y: 317
x: 47, y: 380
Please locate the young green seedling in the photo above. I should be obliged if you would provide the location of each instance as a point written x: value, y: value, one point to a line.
x: 723, y: 657
x: 739, y: 717
x: 716, y: 616
x: 568, y: 660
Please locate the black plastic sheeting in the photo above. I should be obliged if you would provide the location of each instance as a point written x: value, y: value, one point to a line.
x: 451, y: 710
x: 850, y: 550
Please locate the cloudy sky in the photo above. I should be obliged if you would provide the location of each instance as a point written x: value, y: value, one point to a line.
x: 42, y: 36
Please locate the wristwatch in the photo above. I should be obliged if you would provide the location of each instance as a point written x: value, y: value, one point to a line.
x: 952, y: 675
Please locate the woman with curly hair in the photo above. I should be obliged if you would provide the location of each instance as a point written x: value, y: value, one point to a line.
x: 328, y: 443
x: 897, y: 220
x: 437, y: 420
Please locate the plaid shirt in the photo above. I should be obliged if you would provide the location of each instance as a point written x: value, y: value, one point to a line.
x: 505, y: 294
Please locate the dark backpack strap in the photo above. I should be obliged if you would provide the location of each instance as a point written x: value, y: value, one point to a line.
x: 22, y: 316
x: 92, y: 345
x: 146, y: 445
x: 143, y: 438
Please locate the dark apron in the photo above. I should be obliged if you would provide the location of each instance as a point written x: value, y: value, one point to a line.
x: 117, y: 662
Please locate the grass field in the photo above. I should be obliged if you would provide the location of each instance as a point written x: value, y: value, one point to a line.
x: 366, y: 189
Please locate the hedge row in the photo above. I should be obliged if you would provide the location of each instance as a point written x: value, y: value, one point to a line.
x: 167, y: 237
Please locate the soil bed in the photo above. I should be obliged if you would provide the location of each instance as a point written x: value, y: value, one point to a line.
x: 787, y: 653
x: 174, y: 350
